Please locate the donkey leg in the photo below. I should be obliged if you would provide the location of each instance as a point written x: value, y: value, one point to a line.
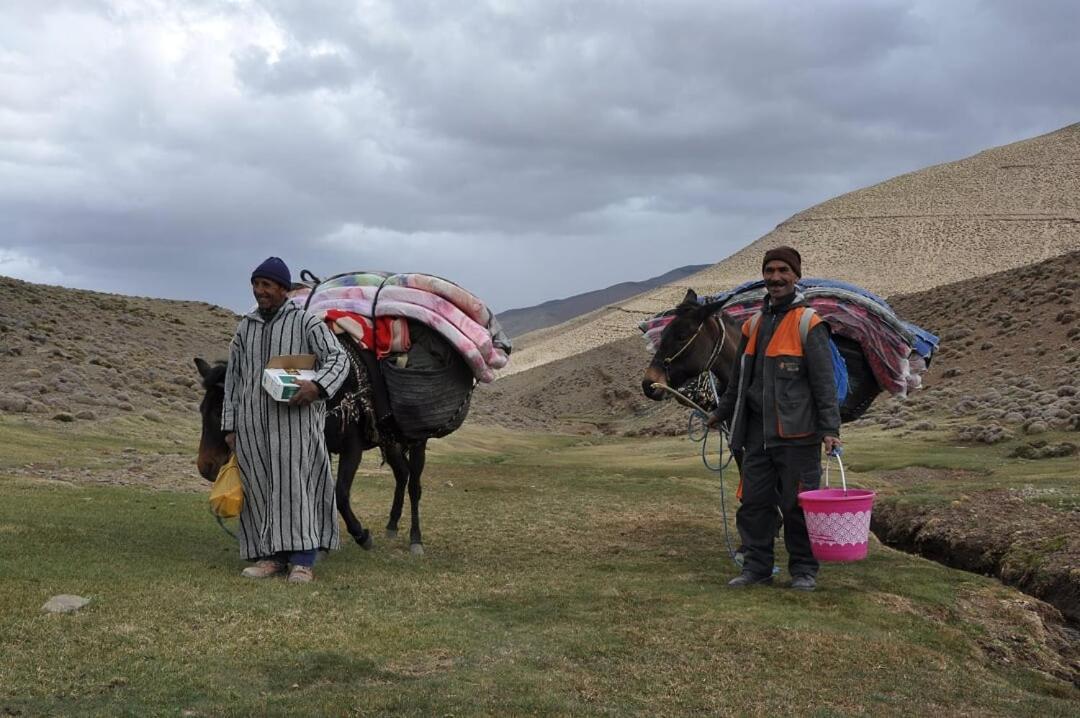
x: 348, y: 463
x: 396, y: 458
x: 417, y: 458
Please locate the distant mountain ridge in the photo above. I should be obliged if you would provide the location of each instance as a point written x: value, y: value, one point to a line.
x: 556, y: 311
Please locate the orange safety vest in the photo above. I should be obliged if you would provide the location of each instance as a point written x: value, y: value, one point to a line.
x: 787, y: 340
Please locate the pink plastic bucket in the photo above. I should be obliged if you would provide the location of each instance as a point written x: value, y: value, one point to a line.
x: 838, y: 522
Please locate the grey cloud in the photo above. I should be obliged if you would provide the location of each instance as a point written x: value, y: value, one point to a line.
x: 295, y: 71
x: 560, y: 142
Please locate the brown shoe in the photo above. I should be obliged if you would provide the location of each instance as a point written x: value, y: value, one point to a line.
x: 263, y: 569
x: 301, y: 574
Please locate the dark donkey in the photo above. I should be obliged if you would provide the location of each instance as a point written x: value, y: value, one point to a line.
x: 699, y: 339
x: 345, y: 436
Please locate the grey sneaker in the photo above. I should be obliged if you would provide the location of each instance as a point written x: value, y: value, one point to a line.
x: 803, y: 582
x: 301, y: 574
x: 746, y: 578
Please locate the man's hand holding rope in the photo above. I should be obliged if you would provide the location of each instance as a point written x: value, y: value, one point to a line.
x: 717, y: 422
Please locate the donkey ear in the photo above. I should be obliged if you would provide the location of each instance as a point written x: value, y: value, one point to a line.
x: 710, y: 308
x: 691, y: 296
x: 202, y: 366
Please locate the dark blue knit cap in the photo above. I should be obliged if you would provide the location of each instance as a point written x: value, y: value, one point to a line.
x: 275, y: 270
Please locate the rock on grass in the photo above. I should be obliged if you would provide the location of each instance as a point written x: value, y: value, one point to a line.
x: 64, y: 603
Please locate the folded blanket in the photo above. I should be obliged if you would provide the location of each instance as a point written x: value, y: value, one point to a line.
x: 464, y: 346
x: 464, y: 300
x: 493, y: 354
x: 386, y: 301
x: 457, y: 315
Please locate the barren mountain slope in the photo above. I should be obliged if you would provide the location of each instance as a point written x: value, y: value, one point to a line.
x: 598, y: 391
x: 84, y: 355
x: 999, y: 209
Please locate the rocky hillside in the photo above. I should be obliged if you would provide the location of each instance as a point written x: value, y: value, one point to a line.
x: 76, y: 355
x: 1002, y: 208
x: 594, y: 392
x: 1010, y: 353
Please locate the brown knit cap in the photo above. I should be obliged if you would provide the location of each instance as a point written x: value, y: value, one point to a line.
x: 788, y: 255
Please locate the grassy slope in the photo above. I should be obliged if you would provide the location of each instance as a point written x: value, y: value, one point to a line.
x: 563, y: 576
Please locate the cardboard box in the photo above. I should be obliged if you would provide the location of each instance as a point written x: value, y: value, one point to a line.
x: 282, y: 373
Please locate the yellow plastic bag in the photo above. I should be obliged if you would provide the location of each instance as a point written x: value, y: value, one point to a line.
x: 227, y: 493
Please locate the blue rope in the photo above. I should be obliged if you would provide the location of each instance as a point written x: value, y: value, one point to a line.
x: 697, y: 428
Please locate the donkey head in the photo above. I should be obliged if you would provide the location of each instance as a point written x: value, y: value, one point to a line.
x: 687, y: 345
x: 213, y: 451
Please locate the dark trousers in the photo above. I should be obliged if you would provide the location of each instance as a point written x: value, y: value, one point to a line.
x: 767, y: 474
x: 296, y: 558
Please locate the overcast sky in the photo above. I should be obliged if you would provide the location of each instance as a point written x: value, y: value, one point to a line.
x: 527, y: 150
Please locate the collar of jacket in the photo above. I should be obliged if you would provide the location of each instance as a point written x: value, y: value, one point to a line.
x: 795, y: 299
x: 285, y: 307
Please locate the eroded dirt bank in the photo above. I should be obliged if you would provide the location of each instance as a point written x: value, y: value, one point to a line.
x: 996, y: 533
x: 1000, y: 533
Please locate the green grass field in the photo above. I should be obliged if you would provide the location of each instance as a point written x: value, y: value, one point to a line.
x: 563, y: 576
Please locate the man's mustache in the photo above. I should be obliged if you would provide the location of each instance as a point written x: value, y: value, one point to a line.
x: 775, y: 284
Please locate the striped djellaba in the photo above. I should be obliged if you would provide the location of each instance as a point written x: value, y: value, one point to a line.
x: 289, y: 500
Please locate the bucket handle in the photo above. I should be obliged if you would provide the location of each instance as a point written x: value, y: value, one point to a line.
x: 828, y: 460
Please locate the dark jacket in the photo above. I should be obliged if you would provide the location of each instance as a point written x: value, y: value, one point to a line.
x: 797, y: 389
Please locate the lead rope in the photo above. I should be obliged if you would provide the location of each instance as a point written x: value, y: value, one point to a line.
x: 697, y: 429
x: 736, y: 557
x: 224, y: 527
x: 702, y: 426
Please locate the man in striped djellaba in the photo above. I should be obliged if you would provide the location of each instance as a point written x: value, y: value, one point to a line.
x: 289, y: 511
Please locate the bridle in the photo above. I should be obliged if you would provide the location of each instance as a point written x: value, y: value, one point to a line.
x: 667, y: 361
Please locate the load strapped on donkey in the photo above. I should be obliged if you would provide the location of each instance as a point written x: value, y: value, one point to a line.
x: 873, y: 349
x: 424, y: 342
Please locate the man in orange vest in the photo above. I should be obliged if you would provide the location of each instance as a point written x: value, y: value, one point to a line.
x: 781, y: 406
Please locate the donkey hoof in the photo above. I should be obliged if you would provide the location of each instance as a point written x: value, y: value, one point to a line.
x: 391, y: 533
x: 364, y: 540
x: 416, y: 549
